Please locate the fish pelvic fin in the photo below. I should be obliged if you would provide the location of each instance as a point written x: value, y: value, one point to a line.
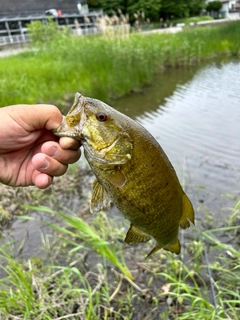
x: 134, y: 235
x: 187, y: 213
x: 155, y: 249
x: 100, y: 198
x: 173, y: 247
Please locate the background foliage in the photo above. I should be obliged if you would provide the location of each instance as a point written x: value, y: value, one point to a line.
x: 214, y: 6
x: 153, y: 9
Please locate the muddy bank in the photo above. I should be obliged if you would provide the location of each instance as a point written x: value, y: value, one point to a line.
x: 70, y: 190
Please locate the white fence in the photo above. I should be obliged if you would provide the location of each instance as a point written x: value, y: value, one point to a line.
x: 23, y: 38
x: 14, y: 39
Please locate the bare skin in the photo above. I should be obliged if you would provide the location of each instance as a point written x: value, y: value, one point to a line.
x: 29, y: 153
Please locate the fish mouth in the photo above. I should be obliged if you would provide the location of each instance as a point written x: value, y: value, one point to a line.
x: 63, y: 130
x: 72, y: 124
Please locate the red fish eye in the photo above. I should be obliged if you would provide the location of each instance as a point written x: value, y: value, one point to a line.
x: 101, y: 116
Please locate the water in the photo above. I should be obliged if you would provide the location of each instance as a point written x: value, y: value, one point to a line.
x: 194, y: 113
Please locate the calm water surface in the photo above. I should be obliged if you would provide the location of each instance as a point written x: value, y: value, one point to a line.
x: 194, y: 113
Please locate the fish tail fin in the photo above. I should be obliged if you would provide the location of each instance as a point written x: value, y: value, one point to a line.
x: 187, y: 213
x: 174, y: 247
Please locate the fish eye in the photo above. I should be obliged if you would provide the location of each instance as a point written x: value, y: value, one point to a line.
x: 101, y: 116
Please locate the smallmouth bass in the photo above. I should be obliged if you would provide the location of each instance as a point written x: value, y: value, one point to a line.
x: 132, y: 171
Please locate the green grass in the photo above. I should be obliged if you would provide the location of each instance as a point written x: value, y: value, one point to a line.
x: 187, y: 21
x: 104, y: 67
x: 90, y: 236
x: 203, y: 283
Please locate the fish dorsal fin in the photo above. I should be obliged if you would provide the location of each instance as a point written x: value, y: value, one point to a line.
x: 134, y: 235
x: 100, y: 198
x: 187, y: 213
x: 173, y: 247
x: 116, y: 177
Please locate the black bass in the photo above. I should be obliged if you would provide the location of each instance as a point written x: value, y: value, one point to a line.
x: 132, y: 171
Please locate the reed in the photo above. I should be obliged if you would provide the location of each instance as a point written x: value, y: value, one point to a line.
x: 106, y: 67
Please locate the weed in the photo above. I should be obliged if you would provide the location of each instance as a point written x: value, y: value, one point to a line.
x: 201, y: 284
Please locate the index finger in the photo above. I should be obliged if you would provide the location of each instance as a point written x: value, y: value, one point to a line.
x: 69, y: 143
x: 35, y: 116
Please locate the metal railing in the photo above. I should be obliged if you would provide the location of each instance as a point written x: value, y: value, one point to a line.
x: 14, y: 30
x: 14, y: 39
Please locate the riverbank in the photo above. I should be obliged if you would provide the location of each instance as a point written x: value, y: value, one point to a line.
x: 105, y: 67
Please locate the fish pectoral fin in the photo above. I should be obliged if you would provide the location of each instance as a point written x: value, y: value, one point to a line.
x: 100, y: 198
x: 116, y: 177
x: 188, y: 213
x: 173, y: 247
x: 134, y: 235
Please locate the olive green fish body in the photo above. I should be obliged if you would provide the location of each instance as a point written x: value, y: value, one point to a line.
x: 132, y: 170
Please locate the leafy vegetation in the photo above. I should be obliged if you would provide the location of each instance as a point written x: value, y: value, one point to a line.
x: 72, y: 282
x: 177, y: 9
x: 105, y: 67
x: 214, y: 6
x: 152, y: 10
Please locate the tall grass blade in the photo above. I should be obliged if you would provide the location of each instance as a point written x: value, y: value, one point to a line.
x: 83, y: 232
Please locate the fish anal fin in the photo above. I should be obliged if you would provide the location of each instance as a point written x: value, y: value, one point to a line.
x: 173, y: 247
x: 134, y: 235
x: 100, y: 198
x: 187, y: 213
x: 116, y: 177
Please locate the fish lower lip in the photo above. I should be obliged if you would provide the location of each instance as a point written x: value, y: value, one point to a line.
x: 70, y: 135
x: 73, y: 135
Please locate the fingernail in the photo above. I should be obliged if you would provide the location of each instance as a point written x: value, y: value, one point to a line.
x: 52, y: 152
x: 45, y: 165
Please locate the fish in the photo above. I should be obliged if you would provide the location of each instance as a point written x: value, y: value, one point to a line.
x: 132, y: 171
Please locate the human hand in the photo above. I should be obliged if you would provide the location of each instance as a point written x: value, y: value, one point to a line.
x: 29, y: 153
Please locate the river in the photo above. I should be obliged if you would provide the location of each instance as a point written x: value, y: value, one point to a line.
x: 194, y: 113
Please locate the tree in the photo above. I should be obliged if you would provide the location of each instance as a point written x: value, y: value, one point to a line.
x: 109, y: 6
x: 196, y: 7
x: 174, y: 8
x: 93, y: 3
x: 150, y: 8
x: 181, y: 8
x: 214, y: 6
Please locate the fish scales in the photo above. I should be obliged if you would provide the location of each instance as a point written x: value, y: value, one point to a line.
x: 132, y: 170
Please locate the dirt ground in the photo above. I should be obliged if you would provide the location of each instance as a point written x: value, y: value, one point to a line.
x: 6, y: 51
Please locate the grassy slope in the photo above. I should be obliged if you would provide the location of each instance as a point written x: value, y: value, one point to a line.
x: 106, y: 67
